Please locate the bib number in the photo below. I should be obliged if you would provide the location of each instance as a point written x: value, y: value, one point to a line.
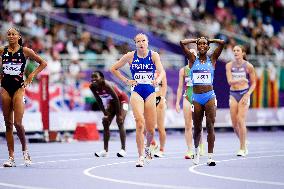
x: 144, y: 78
x: 12, y: 69
x: 202, y: 77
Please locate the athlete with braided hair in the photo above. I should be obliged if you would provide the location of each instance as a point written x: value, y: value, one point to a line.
x: 203, y: 96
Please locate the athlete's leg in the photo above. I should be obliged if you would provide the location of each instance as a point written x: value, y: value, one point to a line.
x: 187, y: 113
x: 120, y: 124
x: 210, y: 113
x: 161, y: 111
x: 137, y: 104
x: 234, y: 115
x: 242, y: 113
x: 198, y: 114
x: 106, y: 121
x: 18, y: 105
x: 150, y: 114
x: 7, y: 108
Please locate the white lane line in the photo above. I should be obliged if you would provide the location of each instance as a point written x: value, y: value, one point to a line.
x: 20, y: 186
x: 87, y: 172
x: 79, y: 159
x: 192, y: 169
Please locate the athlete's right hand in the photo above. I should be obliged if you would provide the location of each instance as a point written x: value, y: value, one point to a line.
x: 131, y: 83
x: 244, y: 80
x: 178, y: 108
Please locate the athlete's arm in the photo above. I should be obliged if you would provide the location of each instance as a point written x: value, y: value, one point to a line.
x: 164, y: 86
x: 156, y: 59
x: 1, y: 66
x: 127, y: 58
x: 98, y: 98
x: 188, y: 53
x: 252, y: 78
x: 29, y: 53
x: 217, y: 51
x: 180, y: 88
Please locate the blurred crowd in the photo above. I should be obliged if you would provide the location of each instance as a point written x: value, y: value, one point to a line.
x: 170, y: 19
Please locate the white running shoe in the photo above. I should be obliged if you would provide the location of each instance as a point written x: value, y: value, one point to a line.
x: 241, y: 153
x: 196, y: 157
x: 159, y: 154
x: 27, y: 158
x: 9, y: 163
x: 121, y: 153
x: 140, y: 162
x: 102, y: 153
x: 211, y: 162
x: 154, y: 148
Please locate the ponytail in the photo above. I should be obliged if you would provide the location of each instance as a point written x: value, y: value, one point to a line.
x: 20, y: 41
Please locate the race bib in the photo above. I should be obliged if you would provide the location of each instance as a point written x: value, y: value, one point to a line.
x: 144, y: 78
x: 202, y: 77
x: 12, y: 68
x: 238, y: 75
x: 188, y: 81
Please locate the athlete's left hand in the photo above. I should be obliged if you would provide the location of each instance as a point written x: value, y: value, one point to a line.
x: 28, y: 81
x: 155, y: 82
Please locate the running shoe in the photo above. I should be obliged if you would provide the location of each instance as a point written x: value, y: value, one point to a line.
x: 241, y: 153
x: 211, y: 162
x: 140, y: 162
x: 154, y: 147
x: 202, y: 151
x: 121, y: 153
x: 27, y: 158
x: 9, y: 163
x: 148, y: 154
x: 102, y: 153
x: 196, y: 157
x: 159, y: 154
x: 189, y: 155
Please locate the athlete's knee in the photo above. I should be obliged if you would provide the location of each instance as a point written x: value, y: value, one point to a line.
x: 9, y: 126
x: 139, y: 123
x: 8, y: 123
x: 161, y: 130
x: 18, y: 124
x: 120, y: 122
x: 106, y: 122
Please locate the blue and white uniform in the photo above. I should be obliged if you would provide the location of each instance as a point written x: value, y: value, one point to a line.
x: 202, y: 74
x: 143, y: 70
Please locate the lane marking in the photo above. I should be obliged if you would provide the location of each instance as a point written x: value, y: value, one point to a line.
x: 103, y: 178
x: 192, y: 169
x: 87, y: 173
x: 20, y: 186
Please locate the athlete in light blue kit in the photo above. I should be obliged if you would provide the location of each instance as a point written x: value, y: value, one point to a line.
x: 203, y: 96
x: 143, y: 63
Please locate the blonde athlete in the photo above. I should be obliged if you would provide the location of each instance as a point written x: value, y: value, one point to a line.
x: 143, y: 64
x: 161, y: 91
x: 185, y: 80
x: 241, y: 78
